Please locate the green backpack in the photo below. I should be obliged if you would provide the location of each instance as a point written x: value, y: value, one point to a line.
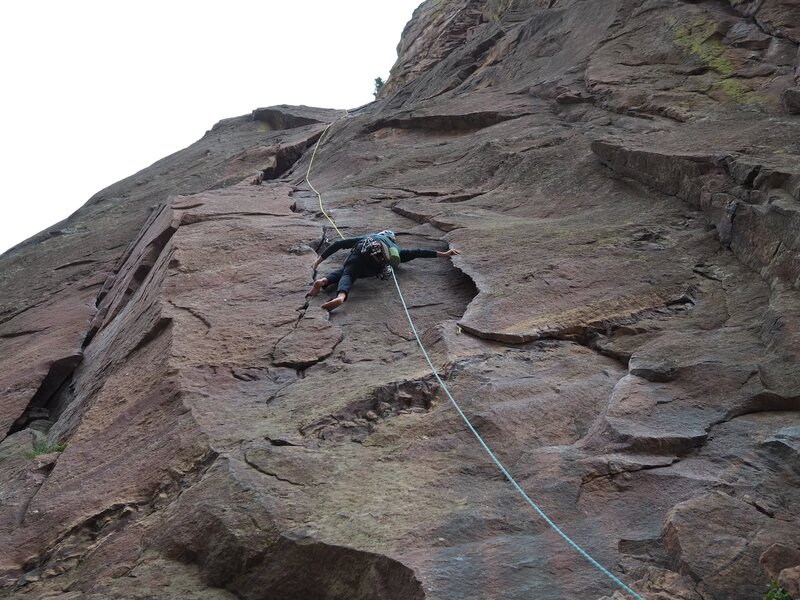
x: 392, y: 252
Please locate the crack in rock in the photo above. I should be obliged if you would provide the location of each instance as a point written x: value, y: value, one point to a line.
x: 360, y: 419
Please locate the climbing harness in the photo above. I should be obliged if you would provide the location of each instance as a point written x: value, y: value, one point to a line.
x: 477, y: 435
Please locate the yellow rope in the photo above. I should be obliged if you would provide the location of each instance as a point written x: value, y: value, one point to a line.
x: 308, y: 172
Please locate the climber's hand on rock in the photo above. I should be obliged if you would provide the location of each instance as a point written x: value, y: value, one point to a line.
x: 451, y: 252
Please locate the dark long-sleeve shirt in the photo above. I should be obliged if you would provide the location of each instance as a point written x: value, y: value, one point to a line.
x: 405, y: 255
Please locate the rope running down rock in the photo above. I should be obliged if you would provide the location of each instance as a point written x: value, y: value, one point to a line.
x: 477, y: 435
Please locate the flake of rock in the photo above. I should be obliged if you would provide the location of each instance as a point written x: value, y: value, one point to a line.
x: 662, y: 584
x: 778, y: 557
x: 747, y: 35
x: 791, y: 100
x: 785, y: 443
x: 313, y: 340
x: 733, y: 533
x: 789, y: 580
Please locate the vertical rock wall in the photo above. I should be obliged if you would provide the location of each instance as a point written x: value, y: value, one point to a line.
x: 622, y: 178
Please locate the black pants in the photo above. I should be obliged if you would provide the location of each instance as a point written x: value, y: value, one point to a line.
x: 354, y: 267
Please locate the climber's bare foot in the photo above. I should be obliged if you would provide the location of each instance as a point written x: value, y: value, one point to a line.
x: 335, y: 303
x: 318, y: 285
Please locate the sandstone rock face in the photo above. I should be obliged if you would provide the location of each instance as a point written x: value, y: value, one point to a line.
x: 791, y: 100
x: 622, y: 328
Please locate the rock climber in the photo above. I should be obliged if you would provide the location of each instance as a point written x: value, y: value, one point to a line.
x: 370, y: 256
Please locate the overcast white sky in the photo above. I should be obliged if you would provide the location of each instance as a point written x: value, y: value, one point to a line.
x: 94, y: 91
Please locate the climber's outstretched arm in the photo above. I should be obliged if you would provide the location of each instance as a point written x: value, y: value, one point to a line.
x: 407, y: 255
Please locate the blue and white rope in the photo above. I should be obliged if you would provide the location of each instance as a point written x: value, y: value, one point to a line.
x: 491, y: 454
